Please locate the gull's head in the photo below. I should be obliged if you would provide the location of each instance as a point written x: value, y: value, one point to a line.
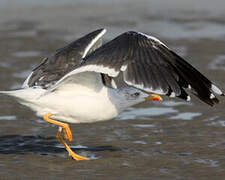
x: 131, y: 96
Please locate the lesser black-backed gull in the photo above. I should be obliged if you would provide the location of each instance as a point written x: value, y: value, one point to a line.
x: 79, y: 83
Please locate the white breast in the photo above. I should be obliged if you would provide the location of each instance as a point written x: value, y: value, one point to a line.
x: 76, y: 104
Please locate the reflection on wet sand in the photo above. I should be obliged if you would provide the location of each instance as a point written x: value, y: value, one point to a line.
x: 172, y: 139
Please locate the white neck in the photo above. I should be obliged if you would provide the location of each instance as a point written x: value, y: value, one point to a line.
x: 121, y: 101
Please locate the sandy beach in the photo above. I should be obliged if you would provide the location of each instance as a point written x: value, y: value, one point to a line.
x: 161, y: 141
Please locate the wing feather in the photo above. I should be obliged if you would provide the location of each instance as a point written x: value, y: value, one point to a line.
x: 63, y: 61
x: 148, y: 64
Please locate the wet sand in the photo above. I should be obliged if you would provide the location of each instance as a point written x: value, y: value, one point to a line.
x: 161, y: 141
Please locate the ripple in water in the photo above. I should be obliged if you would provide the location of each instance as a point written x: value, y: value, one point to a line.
x: 218, y: 123
x: 186, y: 116
x: 26, y: 53
x: 23, y: 74
x: 29, y: 33
x: 158, y: 142
x: 139, y: 142
x: 218, y: 63
x: 81, y: 147
x: 145, y: 113
x: 73, y: 147
x: 209, y: 162
x: 188, y: 30
x: 144, y: 125
x: 8, y: 118
x: 175, y: 103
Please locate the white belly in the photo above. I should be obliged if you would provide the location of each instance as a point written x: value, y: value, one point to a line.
x: 75, y: 107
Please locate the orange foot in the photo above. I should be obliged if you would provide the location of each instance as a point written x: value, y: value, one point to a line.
x: 76, y: 156
x: 71, y: 153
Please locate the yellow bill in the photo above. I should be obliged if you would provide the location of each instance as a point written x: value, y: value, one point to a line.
x: 153, y: 97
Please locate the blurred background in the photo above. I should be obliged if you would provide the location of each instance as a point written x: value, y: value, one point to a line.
x: 161, y: 141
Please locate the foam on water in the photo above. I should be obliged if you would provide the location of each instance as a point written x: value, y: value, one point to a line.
x: 8, y: 118
x: 22, y: 74
x: 144, y: 125
x: 139, y: 142
x: 188, y: 30
x: 26, y: 53
x: 218, y: 123
x: 172, y: 103
x: 218, y: 63
x: 209, y: 162
x: 73, y: 147
x: 145, y: 113
x: 186, y: 116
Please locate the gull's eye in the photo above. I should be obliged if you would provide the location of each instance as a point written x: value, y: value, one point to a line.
x: 137, y: 94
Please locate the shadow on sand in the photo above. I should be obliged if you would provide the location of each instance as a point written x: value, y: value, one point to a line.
x: 17, y: 144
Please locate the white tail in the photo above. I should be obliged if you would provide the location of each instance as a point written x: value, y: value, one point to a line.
x: 24, y: 94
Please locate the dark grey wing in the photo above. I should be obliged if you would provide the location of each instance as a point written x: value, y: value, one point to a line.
x: 64, y: 60
x: 148, y: 64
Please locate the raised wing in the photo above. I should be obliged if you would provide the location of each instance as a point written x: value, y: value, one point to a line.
x: 64, y: 60
x: 148, y: 64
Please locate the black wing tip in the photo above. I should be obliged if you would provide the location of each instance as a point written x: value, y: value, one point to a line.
x: 97, y: 31
x: 135, y: 34
x: 131, y: 32
x: 215, y: 100
x: 209, y: 100
x: 93, y: 34
x: 101, y: 29
x: 89, y: 36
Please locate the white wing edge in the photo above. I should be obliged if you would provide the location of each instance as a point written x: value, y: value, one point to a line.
x: 88, y: 68
x: 93, y: 42
x: 25, y: 84
x: 152, y: 38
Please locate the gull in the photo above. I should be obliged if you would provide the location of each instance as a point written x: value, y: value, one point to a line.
x: 86, y: 81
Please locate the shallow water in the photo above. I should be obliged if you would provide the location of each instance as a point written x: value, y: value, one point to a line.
x: 165, y: 140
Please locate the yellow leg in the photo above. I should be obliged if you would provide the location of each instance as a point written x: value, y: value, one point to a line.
x: 66, y: 128
x: 67, y: 135
x: 71, y: 153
